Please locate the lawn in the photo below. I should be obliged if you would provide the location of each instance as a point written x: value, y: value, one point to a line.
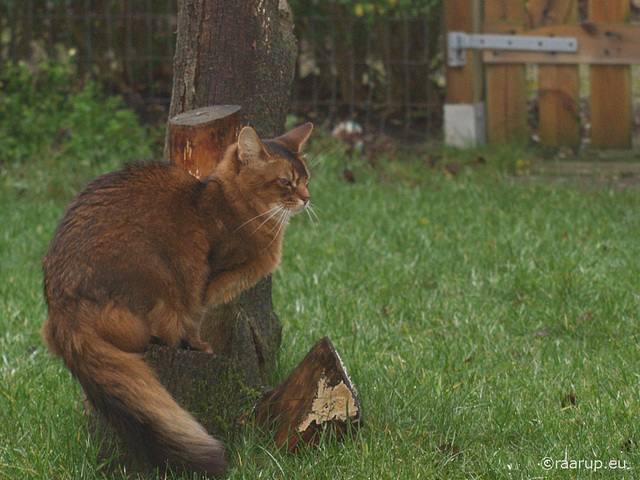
x: 490, y: 324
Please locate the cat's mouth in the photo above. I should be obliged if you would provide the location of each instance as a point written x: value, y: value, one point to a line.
x: 297, y: 207
x: 281, y: 213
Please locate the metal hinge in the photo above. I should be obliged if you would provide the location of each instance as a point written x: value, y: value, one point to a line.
x: 459, y: 42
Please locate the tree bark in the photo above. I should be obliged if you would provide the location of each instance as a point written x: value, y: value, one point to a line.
x: 240, y: 53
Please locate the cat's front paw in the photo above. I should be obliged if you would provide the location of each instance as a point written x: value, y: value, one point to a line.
x: 205, y: 347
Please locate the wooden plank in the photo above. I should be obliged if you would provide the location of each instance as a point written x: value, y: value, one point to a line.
x: 601, y: 43
x: 551, y: 12
x: 558, y: 85
x: 610, y: 86
x: 506, y: 84
x: 558, y: 105
x: 463, y: 83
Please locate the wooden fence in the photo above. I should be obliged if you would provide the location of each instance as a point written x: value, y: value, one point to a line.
x: 607, y: 43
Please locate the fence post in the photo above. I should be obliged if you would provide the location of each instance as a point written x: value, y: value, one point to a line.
x: 464, y: 112
x: 610, y: 86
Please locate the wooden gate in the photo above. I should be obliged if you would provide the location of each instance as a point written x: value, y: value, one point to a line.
x: 606, y: 42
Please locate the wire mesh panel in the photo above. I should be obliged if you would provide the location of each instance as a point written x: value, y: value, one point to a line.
x: 383, y: 74
x: 383, y: 71
x: 127, y: 45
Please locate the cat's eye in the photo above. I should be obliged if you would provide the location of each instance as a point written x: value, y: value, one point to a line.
x: 284, y: 181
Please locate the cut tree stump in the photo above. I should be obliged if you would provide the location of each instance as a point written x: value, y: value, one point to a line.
x: 209, y: 386
x: 221, y: 389
x: 198, y: 138
x: 317, y: 397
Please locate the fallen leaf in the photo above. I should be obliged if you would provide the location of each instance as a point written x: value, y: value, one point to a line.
x: 433, y: 160
x: 585, y: 317
x: 630, y: 445
x: 450, y: 170
x: 568, y: 401
x: 480, y: 161
x: 449, y: 448
x: 349, y: 176
x: 541, y: 333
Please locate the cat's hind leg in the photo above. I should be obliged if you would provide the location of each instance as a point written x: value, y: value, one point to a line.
x: 176, y: 328
x: 121, y: 328
x: 192, y: 338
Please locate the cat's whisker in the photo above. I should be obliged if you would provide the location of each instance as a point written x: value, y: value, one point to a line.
x: 284, y: 218
x: 258, y: 216
x: 275, y: 226
x: 312, y: 218
x: 311, y: 210
x: 282, y: 221
x: 315, y: 207
x: 309, y: 215
x: 277, y: 210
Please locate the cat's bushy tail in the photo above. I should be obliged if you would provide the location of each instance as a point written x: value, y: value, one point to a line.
x: 126, y: 391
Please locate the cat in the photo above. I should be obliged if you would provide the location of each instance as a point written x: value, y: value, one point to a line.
x: 140, y: 254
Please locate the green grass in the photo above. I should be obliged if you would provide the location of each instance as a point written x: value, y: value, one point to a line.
x: 467, y: 308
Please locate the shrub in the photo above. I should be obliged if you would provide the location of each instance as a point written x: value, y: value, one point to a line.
x: 44, y: 111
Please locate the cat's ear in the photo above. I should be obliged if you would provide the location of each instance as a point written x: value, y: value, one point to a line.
x: 250, y: 147
x: 295, y: 139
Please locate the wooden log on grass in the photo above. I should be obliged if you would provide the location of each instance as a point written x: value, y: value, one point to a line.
x: 317, y: 398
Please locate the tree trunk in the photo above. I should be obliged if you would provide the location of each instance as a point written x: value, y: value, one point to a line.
x: 237, y: 53
x: 240, y: 53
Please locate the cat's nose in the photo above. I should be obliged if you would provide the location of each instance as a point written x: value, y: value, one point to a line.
x: 303, y: 195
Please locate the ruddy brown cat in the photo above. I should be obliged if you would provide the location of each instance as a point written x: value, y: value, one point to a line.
x: 142, y: 253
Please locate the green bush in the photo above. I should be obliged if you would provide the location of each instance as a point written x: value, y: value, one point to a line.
x: 45, y: 112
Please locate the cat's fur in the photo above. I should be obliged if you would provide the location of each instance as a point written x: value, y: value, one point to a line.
x: 142, y: 253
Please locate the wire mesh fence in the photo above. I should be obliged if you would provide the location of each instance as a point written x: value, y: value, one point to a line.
x: 383, y: 72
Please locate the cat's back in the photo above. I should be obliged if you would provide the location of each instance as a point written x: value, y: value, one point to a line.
x: 122, y: 215
x: 123, y: 237
x: 131, y: 196
x: 137, y: 183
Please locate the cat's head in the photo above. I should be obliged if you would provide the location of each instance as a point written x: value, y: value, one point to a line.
x: 274, y: 171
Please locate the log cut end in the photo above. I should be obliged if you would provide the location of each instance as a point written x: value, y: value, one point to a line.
x: 318, y: 396
x: 198, y: 138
